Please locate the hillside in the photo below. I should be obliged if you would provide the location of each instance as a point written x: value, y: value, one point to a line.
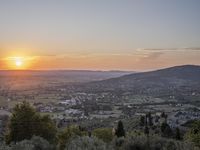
x: 159, y: 82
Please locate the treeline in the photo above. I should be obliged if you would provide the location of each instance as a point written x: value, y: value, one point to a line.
x: 29, y: 130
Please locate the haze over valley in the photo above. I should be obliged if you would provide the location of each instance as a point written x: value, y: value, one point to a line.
x: 103, y: 94
x: 100, y: 75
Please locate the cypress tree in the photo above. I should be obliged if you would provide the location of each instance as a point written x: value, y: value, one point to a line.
x: 178, y: 136
x: 120, y: 132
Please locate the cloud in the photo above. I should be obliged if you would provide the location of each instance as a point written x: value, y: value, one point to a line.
x: 146, y: 53
x: 154, y: 55
x: 23, y: 58
x: 170, y: 49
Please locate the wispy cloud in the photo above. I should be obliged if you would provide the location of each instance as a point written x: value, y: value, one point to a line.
x: 171, y: 49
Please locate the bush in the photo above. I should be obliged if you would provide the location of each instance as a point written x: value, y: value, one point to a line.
x: 4, y: 147
x: 166, y: 130
x: 104, y: 134
x: 23, y: 145
x: 40, y: 143
x: 67, y: 134
x: 87, y: 143
x: 36, y: 143
x: 153, y: 143
x: 194, y: 134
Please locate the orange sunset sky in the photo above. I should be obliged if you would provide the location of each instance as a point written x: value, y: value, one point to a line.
x: 139, y: 59
x: 99, y: 35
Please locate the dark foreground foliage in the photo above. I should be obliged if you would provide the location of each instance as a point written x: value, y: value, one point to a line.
x: 93, y: 143
x: 26, y: 122
x: 28, y: 130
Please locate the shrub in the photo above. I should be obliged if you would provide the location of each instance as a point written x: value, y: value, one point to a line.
x: 36, y: 143
x: 104, y: 134
x: 194, y: 134
x: 153, y: 143
x: 4, y: 147
x: 67, y: 134
x: 87, y: 143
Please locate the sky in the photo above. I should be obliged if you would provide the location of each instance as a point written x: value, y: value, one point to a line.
x: 99, y: 34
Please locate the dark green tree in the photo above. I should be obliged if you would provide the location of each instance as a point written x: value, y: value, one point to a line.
x: 26, y: 122
x: 163, y: 115
x: 67, y: 134
x: 146, y: 131
x: 142, y: 120
x: 194, y: 134
x: 150, y: 119
x: 177, y: 135
x: 120, y: 132
x: 166, y: 130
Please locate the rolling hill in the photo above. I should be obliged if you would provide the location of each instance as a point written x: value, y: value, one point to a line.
x: 175, y: 80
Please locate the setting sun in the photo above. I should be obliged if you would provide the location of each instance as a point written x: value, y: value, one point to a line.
x: 18, y: 62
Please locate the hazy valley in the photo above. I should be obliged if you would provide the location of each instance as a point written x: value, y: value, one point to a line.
x: 95, y: 99
x: 117, y: 94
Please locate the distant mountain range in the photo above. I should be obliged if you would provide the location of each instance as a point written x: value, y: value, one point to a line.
x: 66, y: 75
x: 166, y: 81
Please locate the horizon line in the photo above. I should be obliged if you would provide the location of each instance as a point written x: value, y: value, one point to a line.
x: 91, y: 70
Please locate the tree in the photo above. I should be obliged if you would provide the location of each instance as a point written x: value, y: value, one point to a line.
x: 166, y: 130
x: 163, y: 115
x: 142, y: 120
x: 67, y: 134
x: 146, y: 131
x: 194, y: 134
x: 120, y: 132
x: 178, y: 136
x: 149, y: 119
x: 26, y: 122
x: 104, y: 134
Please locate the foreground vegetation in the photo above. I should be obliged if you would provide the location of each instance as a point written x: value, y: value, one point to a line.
x: 28, y: 130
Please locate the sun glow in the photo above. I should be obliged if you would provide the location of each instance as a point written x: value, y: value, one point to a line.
x: 19, y: 62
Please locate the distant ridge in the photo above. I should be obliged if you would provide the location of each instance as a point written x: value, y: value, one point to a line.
x: 178, y: 78
x: 65, y: 75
